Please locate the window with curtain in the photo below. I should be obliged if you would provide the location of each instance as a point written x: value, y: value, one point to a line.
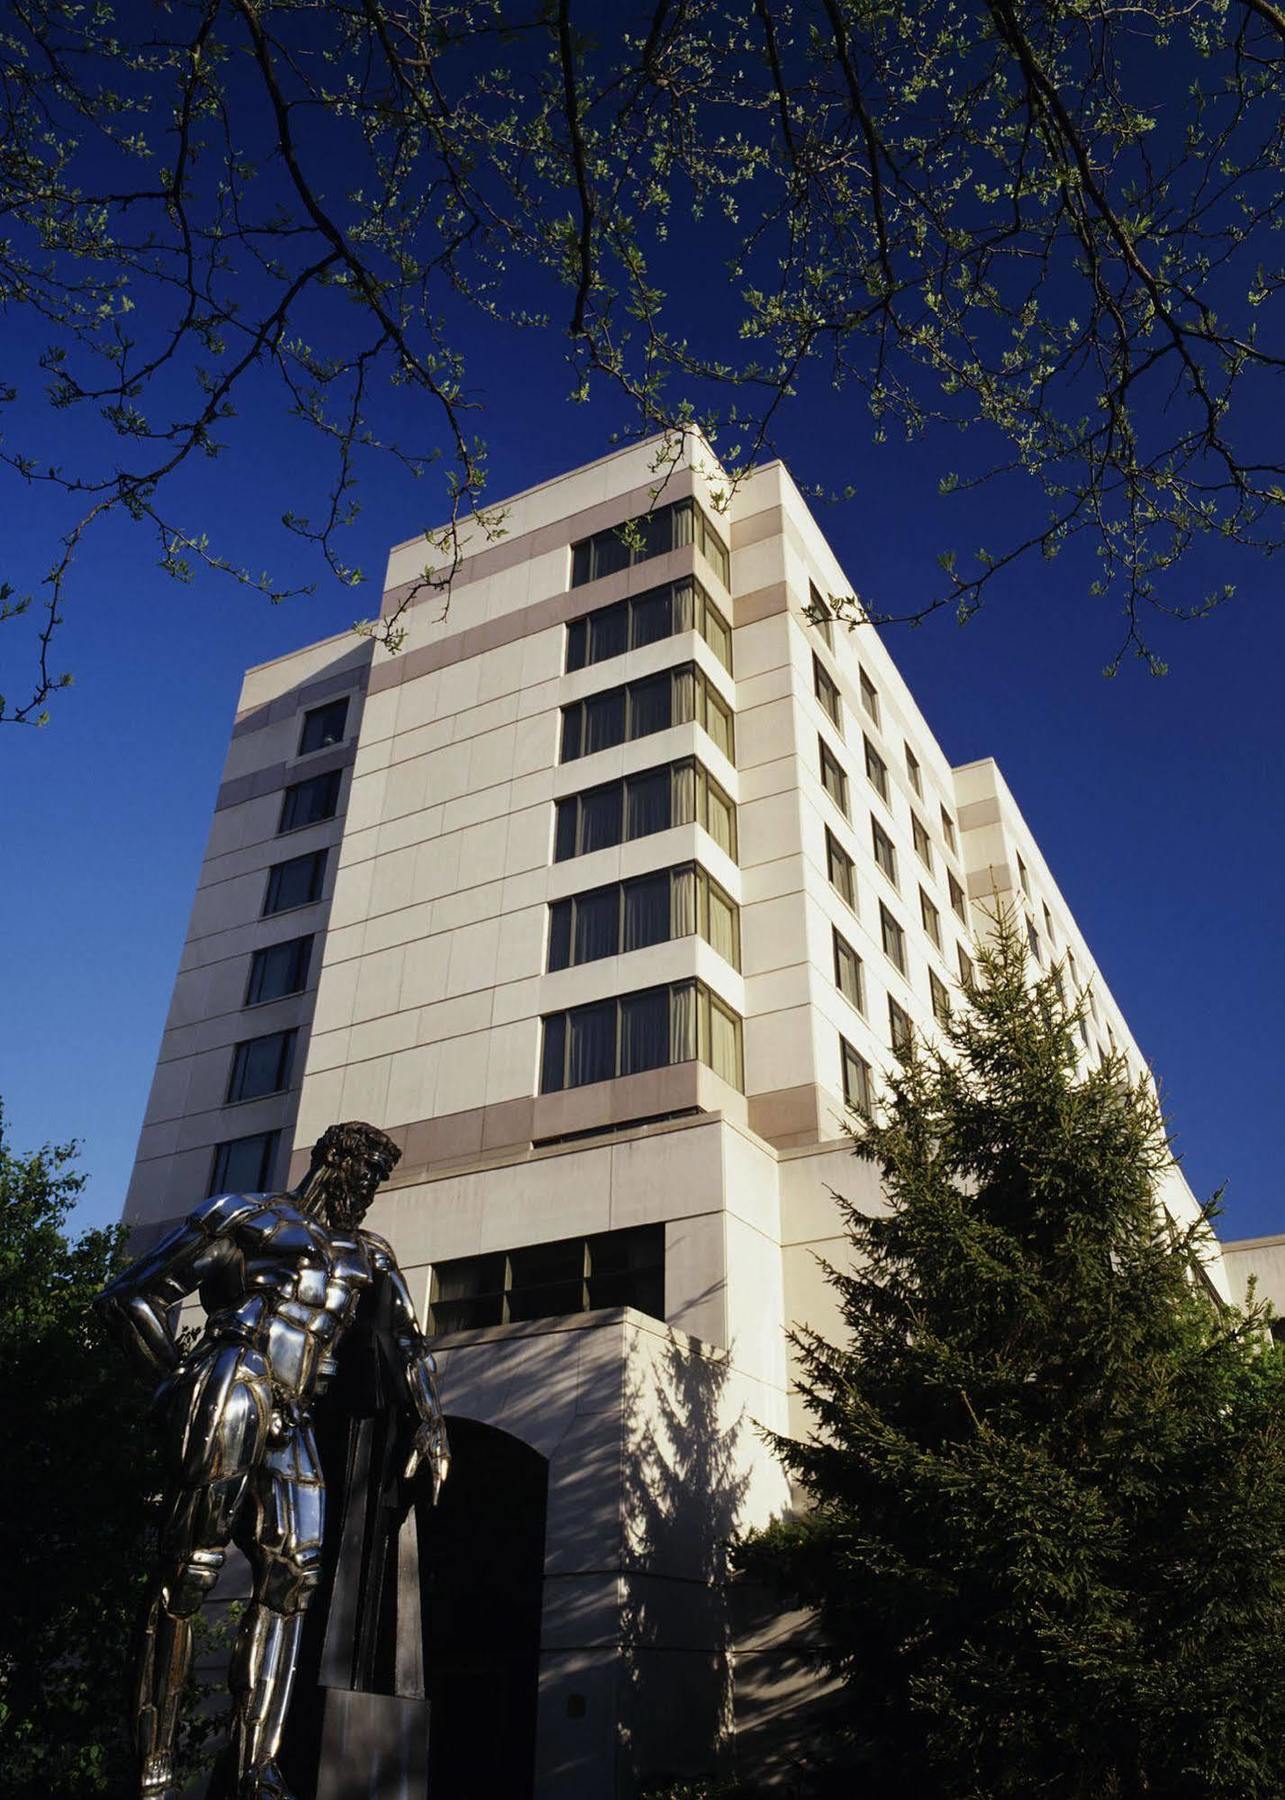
x: 294, y: 883
x: 913, y: 771
x: 649, y: 909
x: 648, y: 618
x: 876, y: 770
x: 940, y: 998
x: 857, y: 1089
x: 948, y: 832
x: 885, y: 854
x: 931, y: 918
x: 680, y: 793
x: 893, y: 938
x: 833, y: 779
x: 636, y: 709
x: 900, y: 1030
x: 839, y: 869
x: 542, y: 1281
x: 646, y: 1029
x: 958, y: 899
x: 261, y: 1066
x: 848, y: 973
x: 869, y: 696
x: 309, y: 802
x: 966, y: 971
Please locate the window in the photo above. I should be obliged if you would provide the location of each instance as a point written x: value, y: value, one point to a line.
x: 869, y: 696
x: 323, y: 726
x: 681, y: 793
x: 833, y: 779
x: 638, y: 708
x: 1070, y: 963
x: 828, y: 694
x: 294, y: 883
x: 1022, y: 876
x: 651, y: 534
x: 646, y: 619
x: 309, y: 802
x: 940, y: 998
x: 261, y: 1066
x: 848, y: 973
x: 893, y: 937
x: 1033, y: 940
x: 948, y: 832
x: 1048, y: 923
x: 279, y: 970
x: 967, y: 973
x: 900, y: 1030
x: 877, y: 770
x: 931, y: 918
x: 651, y: 909
x: 923, y: 844
x: 839, y: 868
x: 681, y: 1022
x: 244, y: 1165
x: 541, y: 1281
x: 885, y: 853
x: 856, y: 1077
x: 914, y: 772
x: 822, y: 615
x: 958, y: 899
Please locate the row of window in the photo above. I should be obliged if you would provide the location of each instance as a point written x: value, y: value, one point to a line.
x: 650, y: 909
x: 681, y: 1021
x: 834, y: 780
x: 647, y: 618
x: 543, y: 1281
x: 636, y: 709
x: 841, y: 871
x: 652, y: 534
x: 635, y: 806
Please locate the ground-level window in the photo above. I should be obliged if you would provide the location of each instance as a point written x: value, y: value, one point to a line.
x: 543, y: 1281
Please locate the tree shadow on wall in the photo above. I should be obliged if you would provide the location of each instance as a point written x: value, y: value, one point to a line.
x: 683, y: 1487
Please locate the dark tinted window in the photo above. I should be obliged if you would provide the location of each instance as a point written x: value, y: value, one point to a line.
x: 245, y: 1165
x: 538, y: 1281
x: 295, y: 883
x: 324, y: 726
x: 309, y: 802
x: 261, y: 1066
x: 279, y: 970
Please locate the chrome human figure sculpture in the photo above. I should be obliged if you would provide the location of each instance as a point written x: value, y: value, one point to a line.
x: 279, y: 1277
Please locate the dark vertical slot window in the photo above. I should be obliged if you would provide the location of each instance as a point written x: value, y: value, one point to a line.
x: 967, y: 973
x: 900, y: 1030
x: 245, y: 1165
x: 940, y: 998
x: 323, y: 726
x: 876, y: 769
x: 833, y: 779
x: 856, y: 1077
x: 869, y: 696
x: 261, y: 1066
x: 839, y: 869
x: 848, y: 973
x: 923, y: 844
x: 884, y: 851
x: 294, y: 883
x: 931, y: 918
x: 913, y: 771
x: 958, y: 899
x: 1033, y: 940
x: 309, y: 802
x: 948, y: 832
x: 279, y: 970
x: 827, y: 694
x: 1023, y: 877
x: 821, y: 614
x: 893, y: 938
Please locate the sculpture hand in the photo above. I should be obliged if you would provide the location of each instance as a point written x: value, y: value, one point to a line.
x: 430, y: 1446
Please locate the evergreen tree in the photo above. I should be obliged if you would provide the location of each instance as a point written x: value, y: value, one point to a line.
x: 1047, y: 1475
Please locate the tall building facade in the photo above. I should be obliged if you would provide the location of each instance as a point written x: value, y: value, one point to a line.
x: 605, y: 897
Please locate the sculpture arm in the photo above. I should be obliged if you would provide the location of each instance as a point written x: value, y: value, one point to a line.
x: 138, y: 1303
x: 420, y: 1369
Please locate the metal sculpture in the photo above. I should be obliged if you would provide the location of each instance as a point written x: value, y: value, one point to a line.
x: 280, y: 1277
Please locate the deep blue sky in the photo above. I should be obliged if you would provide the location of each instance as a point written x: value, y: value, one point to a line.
x: 1157, y: 802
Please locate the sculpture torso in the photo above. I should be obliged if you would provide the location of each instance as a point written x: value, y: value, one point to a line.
x: 283, y: 1283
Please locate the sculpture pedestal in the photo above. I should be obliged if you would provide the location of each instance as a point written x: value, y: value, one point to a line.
x: 373, y: 1747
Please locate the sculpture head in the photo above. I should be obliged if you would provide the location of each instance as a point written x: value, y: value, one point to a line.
x: 349, y: 1162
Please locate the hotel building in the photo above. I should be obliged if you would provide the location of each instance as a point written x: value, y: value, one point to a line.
x: 604, y: 897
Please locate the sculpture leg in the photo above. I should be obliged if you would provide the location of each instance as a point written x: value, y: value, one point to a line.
x: 282, y: 1536
x: 192, y: 1543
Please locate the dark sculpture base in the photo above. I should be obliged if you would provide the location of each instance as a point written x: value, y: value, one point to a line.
x: 373, y: 1747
